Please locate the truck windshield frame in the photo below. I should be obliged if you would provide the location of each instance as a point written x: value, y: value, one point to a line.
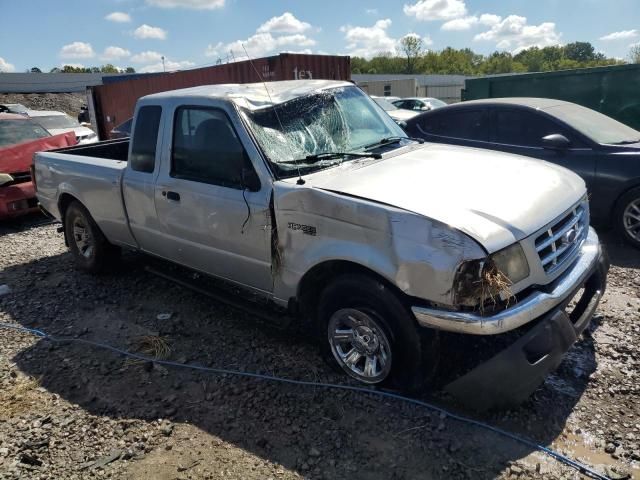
x: 342, y: 119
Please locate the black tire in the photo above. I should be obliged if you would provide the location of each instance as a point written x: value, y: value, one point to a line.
x: 623, y: 205
x: 414, y: 352
x: 100, y: 255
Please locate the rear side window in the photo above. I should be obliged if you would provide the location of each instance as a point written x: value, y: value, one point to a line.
x: 145, y: 138
x: 466, y: 125
x: 522, y: 128
x: 18, y: 131
x: 206, y: 148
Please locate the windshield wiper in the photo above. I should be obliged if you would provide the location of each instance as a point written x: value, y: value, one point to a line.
x: 317, y: 157
x: 389, y: 140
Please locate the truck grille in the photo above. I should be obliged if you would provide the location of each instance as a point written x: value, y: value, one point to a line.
x: 561, y: 241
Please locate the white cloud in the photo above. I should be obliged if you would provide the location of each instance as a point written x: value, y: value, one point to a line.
x: 147, y: 31
x: 169, y: 65
x: 118, y: 17
x: 369, y: 41
x: 259, y: 45
x: 371, y: 11
x: 623, y: 35
x: 427, y: 10
x: 77, y: 50
x: 6, y: 66
x: 284, y: 33
x: 458, y: 24
x: 193, y: 4
x: 489, y: 19
x: 285, y: 23
x: 115, y: 53
x: 466, y: 23
x: 147, y: 57
x: 514, y: 33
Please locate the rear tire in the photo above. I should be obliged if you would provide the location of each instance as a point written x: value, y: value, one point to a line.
x: 369, y: 334
x: 91, y: 251
x: 627, y: 217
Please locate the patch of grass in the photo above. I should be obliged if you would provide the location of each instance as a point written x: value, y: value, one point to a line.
x: 153, y: 346
x: 19, y: 397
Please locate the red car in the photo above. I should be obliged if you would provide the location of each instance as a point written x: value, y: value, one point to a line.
x: 20, y: 138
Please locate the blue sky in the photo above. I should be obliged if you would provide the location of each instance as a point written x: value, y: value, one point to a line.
x: 191, y: 33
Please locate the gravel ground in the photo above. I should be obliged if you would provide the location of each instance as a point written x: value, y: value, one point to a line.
x: 70, y: 411
x: 68, y: 103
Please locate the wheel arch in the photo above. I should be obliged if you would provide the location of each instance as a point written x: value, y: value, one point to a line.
x: 312, y: 282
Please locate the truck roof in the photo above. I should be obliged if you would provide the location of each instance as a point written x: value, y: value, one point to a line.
x: 254, y: 95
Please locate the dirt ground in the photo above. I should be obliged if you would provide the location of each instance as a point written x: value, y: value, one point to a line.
x: 68, y: 103
x: 71, y: 411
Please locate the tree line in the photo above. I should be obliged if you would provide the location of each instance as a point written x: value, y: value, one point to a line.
x: 412, y: 58
x: 108, y: 68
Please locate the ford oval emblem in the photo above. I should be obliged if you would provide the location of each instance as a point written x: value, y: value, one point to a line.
x: 569, y: 237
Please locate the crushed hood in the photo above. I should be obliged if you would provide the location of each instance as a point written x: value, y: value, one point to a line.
x: 496, y: 198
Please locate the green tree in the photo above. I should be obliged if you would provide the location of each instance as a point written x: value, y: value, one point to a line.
x: 580, y: 51
x: 35, y: 70
x: 108, y: 68
x: 411, y: 46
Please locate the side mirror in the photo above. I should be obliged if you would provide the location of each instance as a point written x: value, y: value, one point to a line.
x: 402, y: 124
x: 556, y: 141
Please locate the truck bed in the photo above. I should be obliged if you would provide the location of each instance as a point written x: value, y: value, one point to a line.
x: 91, y: 175
x: 109, y: 149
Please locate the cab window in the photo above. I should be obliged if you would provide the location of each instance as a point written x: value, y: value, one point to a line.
x: 206, y: 148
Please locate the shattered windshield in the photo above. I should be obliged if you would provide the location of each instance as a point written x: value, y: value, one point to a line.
x: 335, y: 120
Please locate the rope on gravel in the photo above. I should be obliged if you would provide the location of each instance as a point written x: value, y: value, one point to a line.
x: 583, y: 469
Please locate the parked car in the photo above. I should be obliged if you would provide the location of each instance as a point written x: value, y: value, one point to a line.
x: 13, y: 108
x: 394, y: 112
x: 20, y: 138
x: 59, y: 122
x: 122, y: 131
x: 311, y: 198
x: 419, y: 104
x: 603, y: 151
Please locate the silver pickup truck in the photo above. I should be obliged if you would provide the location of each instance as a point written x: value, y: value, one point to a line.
x: 307, y: 194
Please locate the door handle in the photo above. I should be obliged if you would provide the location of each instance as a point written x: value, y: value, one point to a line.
x: 175, y: 196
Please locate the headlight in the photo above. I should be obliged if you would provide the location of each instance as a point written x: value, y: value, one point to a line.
x: 512, y: 262
x: 5, y: 179
x: 490, y: 278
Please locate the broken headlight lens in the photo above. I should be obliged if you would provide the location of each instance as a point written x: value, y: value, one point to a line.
x: 512, y: 262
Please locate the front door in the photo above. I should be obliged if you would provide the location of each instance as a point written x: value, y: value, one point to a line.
x: 520, y: 131
x: 213, y: 223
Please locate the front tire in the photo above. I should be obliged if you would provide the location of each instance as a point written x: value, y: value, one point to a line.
x: 91, y: 251
x: 627, y: 217
x: 370, y: 335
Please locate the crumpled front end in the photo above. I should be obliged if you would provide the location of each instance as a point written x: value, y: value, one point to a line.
x: 539, y: 329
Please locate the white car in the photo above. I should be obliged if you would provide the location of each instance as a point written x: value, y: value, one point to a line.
x: 419, y: 104
x: 394, y: 112
x: 59, y: 122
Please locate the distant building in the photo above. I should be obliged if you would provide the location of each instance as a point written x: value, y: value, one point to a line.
x: 445, y: 87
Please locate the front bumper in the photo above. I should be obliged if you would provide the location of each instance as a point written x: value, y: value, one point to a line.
x: 536, y: 305
x: 16, y: 200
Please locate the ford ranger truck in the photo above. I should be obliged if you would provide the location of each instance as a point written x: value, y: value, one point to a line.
x: 308, y: 195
